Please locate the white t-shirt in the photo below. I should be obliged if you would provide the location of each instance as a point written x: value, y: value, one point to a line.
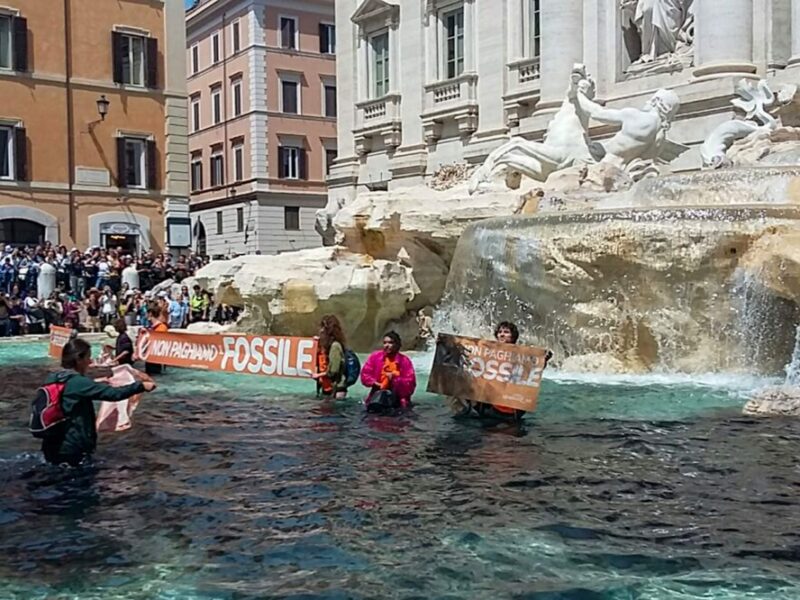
x: 102, y: 268
x: 109, y: 305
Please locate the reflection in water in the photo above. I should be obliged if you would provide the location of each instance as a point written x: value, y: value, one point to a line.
x: 233, y: 487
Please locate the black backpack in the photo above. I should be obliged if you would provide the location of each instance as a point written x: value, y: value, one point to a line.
x: 352, y: 368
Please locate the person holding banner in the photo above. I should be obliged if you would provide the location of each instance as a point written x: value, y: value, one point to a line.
x: 77, y: 440
x: 157, y: 317
x: 390, y: 377
x: 330, y: 375
x: 505, y: 333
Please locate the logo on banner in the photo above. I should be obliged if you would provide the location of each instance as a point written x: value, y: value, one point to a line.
x: 143, y: 344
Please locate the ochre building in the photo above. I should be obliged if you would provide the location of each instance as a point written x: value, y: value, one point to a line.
x: 93, y: 139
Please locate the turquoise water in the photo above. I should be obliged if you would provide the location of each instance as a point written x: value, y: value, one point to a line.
x: 234, y: 487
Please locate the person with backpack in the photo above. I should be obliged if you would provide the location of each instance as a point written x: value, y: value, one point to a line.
x: 63, y: 414
x: 331, y: 375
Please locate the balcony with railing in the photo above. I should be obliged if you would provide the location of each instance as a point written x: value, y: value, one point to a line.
x: 379, y: 117
x: 453, y: 99
x: 523, y: 88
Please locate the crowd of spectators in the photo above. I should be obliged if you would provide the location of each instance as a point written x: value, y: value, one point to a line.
x: 93, y: 289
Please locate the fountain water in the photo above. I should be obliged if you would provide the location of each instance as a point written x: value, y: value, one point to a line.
x: 633, y: 289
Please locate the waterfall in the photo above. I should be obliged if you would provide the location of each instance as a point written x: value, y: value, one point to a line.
x: 793, y: 368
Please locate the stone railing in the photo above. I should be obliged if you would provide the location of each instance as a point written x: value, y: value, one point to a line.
x: 378, y: 118
x: 451, y: 100
x: 377, y: 111
x: 523, y: 88
x: 451, y: 92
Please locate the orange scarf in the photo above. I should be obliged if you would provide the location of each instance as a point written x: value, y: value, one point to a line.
x: 389, y: 367
x: 322, y: 367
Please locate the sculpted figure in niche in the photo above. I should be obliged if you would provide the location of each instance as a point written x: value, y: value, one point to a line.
x: 658, y: 31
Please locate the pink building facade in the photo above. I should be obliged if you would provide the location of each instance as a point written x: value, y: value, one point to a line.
x: 262, y: 122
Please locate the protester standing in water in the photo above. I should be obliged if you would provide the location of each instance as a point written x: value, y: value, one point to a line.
x: 330, y: 375
x: 76, y: 441
x: 390, y: 376
x: 123, y: 351
x: 158, y: 323
x: 506, y: 333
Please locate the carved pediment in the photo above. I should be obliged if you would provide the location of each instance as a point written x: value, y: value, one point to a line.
x: 373, y: 10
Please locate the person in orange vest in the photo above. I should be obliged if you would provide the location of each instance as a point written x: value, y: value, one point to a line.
x: 330, y: 375
x: 158, y: 323
x: 506, y: 333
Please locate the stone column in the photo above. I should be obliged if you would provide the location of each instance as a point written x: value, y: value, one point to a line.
x: 723, y: 37
x: 795, y: 29
x: 562, y: 47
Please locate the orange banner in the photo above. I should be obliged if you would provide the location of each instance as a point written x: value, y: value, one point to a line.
x: 487, y: 371
x: 235, y: 353
x: 59, y: 336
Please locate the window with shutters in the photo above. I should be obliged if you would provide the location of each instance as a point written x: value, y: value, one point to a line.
x: 196, y: 112
x: 330, y: 156
x: 330, y: 101
x: 236, y: 41
x: 133, y: 60
x: 195, y: 59
x: 136, y: 163
x: 13, y: 43
x: 240, y: 219
x: 215, y: 48
x: 289, y: 33
x: 6, y: 45
x: 7, y: 163
x: 290, y: 97
x: 291, y: 218
x: 217, y: 169
x: 238, y: 161
x: 216, y: 104
x: 197, y: 172
x: 327, y: 38
x: 236, y: 94
x: 292, y: 162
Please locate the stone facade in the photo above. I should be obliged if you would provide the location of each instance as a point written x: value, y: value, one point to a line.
x: 240, y: 56
x: 426, y: 83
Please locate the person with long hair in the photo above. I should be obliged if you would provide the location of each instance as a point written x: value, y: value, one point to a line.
x: 330, y: 375
x: 76, y: 441
x: 389, y: 376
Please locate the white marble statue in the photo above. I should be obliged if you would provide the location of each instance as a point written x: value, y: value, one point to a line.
x: 566, y: 143
x: 640, y: 144
x: 662, y: 29
x: 760, y: 105
x: 643, y: 133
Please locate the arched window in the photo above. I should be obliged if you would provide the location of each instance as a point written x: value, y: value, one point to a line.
x: 21, y: 232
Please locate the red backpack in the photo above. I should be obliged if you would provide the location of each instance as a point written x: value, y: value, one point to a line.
x: 47, y: 414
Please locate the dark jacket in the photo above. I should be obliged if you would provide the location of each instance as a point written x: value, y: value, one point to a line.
x: 124, y: 344
x: 78, y: 438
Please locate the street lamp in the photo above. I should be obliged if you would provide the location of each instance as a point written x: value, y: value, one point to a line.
x: 102, y: 107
